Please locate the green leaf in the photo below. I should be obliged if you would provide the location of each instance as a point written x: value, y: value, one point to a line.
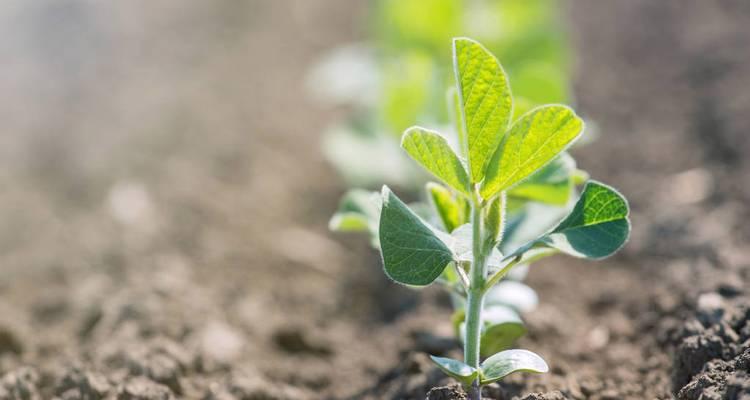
x: 405, y: 83
x: 596, y: 228
x: 434, y: 153
x: 502, y: 327
x: 533, y: 141
x: 359, y: 211
x: 456, y: 369
x: 486, y: 101
x: 516, y: 295
x: 445, y: 205
x: 348, y: 222
x: 454, y: 112
x: 413, y: 254
x: 552, y: 184
x: 494, y: 219
x: 461, y: 244
x: 368, y: 159
x: 507, y: 362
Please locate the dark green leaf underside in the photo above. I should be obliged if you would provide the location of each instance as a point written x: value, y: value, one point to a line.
x: 412, y: 252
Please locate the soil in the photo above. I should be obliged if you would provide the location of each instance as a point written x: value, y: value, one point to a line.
x: 165, y: 206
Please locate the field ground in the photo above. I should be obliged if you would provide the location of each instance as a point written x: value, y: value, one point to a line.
x: 164, y: 206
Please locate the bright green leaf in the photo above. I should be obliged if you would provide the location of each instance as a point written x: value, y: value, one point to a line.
x: 405, y: 89
x: 552, y: 184
x: 485, y: 99
x: 533, y: 141
x: 507, y: 362
x: 445, y: 205
x: 457, y: 369
x: 434, y: 153
x: 413, y: 254
x: 348, y: 222
x: 454, y: 112
x: 596, y: 228
x: 495, y: 219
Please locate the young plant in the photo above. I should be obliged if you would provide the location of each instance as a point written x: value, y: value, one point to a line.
x: 498, y: 162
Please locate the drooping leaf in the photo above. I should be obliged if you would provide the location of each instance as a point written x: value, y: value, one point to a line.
x: 413, y: 254
x: 552, y: 184
x: 445, y: 206
x: 486, y: 101
x: 533, y: 141
x: 596, y: 228
x: 507, y: 362
x: 502, y: 327
x: 456, y: 369
x: 434, y: 153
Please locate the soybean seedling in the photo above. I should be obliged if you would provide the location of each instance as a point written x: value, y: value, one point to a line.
x: 495, y: 157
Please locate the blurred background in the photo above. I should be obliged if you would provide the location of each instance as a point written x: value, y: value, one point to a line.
x: 168, y: 171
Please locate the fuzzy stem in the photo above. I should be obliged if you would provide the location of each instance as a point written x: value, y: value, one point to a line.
x: 476, y: 295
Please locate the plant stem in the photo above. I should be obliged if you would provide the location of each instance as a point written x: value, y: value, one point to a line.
x: 476, y: 296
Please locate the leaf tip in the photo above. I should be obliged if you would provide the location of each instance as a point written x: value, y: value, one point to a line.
x: 385, y: 192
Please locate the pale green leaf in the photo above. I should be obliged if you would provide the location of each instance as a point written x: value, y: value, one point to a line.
x: 486, y: 101
x: 533, y: 141
x: 456, y: 369
x: 413, y: 254
x: 516, y: 295
x: 596, y: 228
x: 507, y: 362
x: 461, y: 244
x: 552, y: 184
x: 434, y: 153
x: 502, y: 326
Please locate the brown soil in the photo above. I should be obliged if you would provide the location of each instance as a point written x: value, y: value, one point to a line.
x: 164, y: 208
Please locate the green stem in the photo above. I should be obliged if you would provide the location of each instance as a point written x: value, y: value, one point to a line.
x: 476, y: 296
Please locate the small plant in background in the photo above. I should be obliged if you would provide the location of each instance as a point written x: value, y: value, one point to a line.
x: 493, y: 170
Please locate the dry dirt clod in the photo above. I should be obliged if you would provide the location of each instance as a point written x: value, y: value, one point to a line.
x: 141, y: 388
x: 295, y: 341
x: 84, y: 385
x: 451, y: 392
x: 20, y: 384
x: 556, y: 395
